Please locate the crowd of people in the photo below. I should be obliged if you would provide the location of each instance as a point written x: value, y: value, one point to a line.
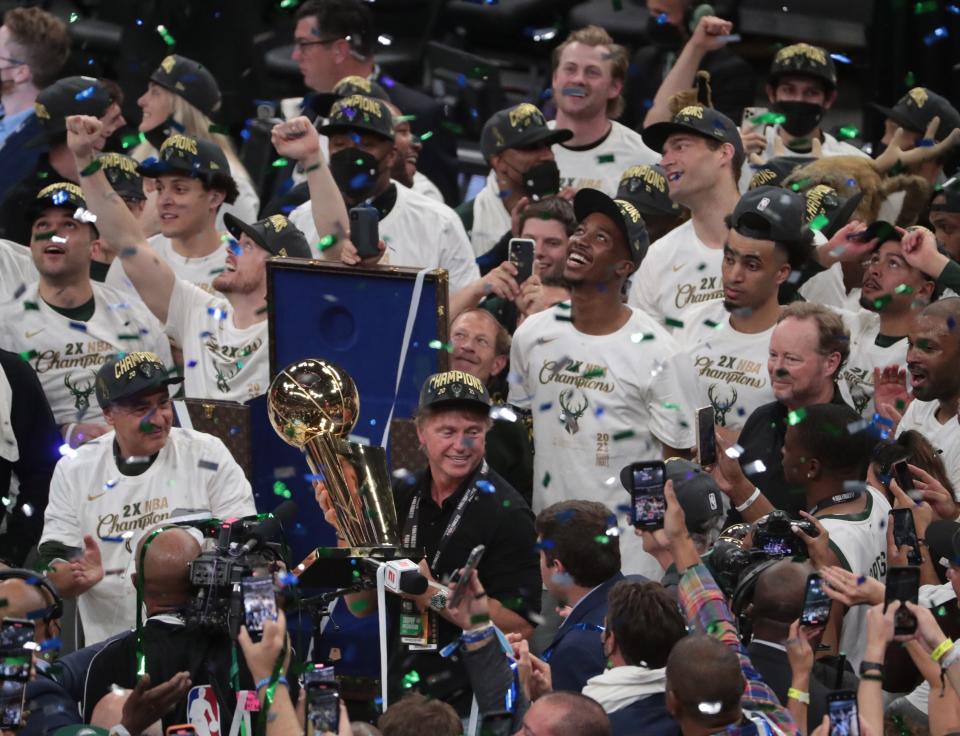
x: 753, y: 317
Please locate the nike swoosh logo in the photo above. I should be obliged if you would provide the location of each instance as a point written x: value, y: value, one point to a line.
x: 33, y: 333
x: 94, y: 498
x: 545, y: 340
x: 677, y: 268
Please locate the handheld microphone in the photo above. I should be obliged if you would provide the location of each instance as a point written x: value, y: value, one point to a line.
x: 271, y: 528
x: 402, y: 576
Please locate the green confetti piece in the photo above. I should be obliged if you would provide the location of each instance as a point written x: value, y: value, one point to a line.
x: 904, y: 289
x: 594, y: 373
x: 280, y: 163
x: 280, y: 489
x: 327, y: 241
x: 671, y: 322
x: 712, y: 325
x: 900, y: 404
x: 819, y: 222
x: 131, y: 336
x: 910, y: 79
x: 546, y: 479
x: 929, y: 6
x: 670, y: 405
x: 641, y: 336
x: 606, y: 158
x: 624, y: 435
x: 404, y: 118
x: 426, y: 136
x: 31, y: 306
x: 45, y: 236
x: 437, y: 345
x: 453, y: 127
x: 602, y: 539
x: 480, y: 618
x: 506, y: 504
x: 134, y: 139
x: 849, y: 131
x: 942, y: 611
x: 563, y: 318
x: 563, y: 305
x: 165, y: 35
x: 221, y: 129
x: 74, y: 17
x: 286, y: 4
x: 769, y: 118
x: 802, y: 184
x: 882, y: 301
x: 796, y: 416
x: 28, y: 355
x: 410, y: 679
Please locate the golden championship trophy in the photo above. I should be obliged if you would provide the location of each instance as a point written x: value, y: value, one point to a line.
x: 313, y: 404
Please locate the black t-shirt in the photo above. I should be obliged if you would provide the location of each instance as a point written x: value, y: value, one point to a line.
x: 762, y: 439
x: 496, y: 517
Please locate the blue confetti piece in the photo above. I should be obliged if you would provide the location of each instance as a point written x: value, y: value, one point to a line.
x: 51, y: 645
x: 935, y: 36
x: 191, y: 364
x: 288, y: 578
x: 79, y: 326
x: 85, y: 94
x: 387, y: 81
x: 545, y: 544
x: 841, y: 58
x: 546, y: 406
x: 311, y: 477
x: 486, y: 486
x: 662, y: 19
x: 60, y: 197
x: 234, y: 247
x: 359, y: 181
x: 217, y: 313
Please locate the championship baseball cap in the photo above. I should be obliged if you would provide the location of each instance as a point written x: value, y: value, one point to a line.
x: 703, y: 121
x: 519, y: 126
x: 918, y: 107
x: 770, y: 213
x: 184, y: 153
x: 951, y: 196
x: 696, y: 491
x: 776, y: 169
x: 943, y: 541
x: 191, y: 80
x: 123, y: 377
x: 824, y: 201
x: 806, y: 60
x: 275, y: 234
x: 65, y: 97
x: 359, y: 113
x: 645, y: 187
x: 63, y: 194
x: 624, y: 214
x: 320, y: 103
x: 121, y: 172
x: 454, y: 387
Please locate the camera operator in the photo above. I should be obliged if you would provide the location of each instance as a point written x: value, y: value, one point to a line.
x: 711, y: 682
x: 457, y: 503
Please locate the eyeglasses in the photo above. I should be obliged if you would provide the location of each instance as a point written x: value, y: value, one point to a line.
x: 302, y: 46
x: 13, y: 63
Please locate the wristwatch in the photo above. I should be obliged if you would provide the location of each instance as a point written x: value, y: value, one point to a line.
x: 439, y: 599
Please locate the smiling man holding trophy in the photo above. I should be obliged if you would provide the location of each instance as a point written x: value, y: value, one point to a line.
x: 446, y: 511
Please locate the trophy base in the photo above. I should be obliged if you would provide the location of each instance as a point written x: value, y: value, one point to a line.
x: 339, y: 567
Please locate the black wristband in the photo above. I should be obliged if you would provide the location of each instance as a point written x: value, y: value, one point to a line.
x: 870, y: 666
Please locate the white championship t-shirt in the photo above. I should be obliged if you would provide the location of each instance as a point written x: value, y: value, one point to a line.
x: 678, y: 273
x: 600, y: 164
x: 490, y: 218
x: 198, y: 271
x: 860, y: 543
x: 827, y: 288
x: 945, y: 438
x: 419, y: 233
x: 16, y: 268
x: 220, y: 361
x: 731, y: 365
x: 89, y: 495
x: 599, y: 403
x: 66, y: 355
x: 856, y: 384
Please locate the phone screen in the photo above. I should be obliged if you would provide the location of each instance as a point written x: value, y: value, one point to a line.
x: 905, y: 533
x: 12, y: 695
x: 649, y: 504
x: 903, y: 584
x: 706, y: 439
x: 842, y: 709
x: 15, y: 659
x: 323, y: 700
x: 816, y: 603
x: 259, y: 604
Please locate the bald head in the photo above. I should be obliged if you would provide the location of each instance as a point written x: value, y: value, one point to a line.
x: 778, y: 599
x: 565, y: 713
x: 704, y: 682
x: 22, y: 599
x: 945, y: 309
x: 166, y: 578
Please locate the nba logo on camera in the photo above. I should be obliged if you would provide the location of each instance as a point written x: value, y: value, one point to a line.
x: 203, y: 711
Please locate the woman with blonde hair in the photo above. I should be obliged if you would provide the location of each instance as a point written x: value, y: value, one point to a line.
x: 181, y: 98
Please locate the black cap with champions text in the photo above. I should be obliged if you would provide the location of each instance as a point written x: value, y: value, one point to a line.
x: 65, y: 97
x: 191, y: 80
x: 452, y: 388
x: 275, y: 234
x: 775, y: 169
x: 126, y: 375
x: 624, y: 214
x: 62, y: 194
x: 770, y: 213
x: 824, y: 201
x: 802, y: 59
x: 359, y: 114
x: 186, y: 154
x: 703, y: 121
x: 320, y: 103
x: 918, y: 107
x: 645, y: 186
x: 121, y: 171
x: 520, y: 126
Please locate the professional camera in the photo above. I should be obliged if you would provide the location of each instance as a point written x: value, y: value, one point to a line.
x: 774, y: 535
x: 243, y: 546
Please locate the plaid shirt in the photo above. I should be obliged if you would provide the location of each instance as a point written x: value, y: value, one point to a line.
x: 706, y: 609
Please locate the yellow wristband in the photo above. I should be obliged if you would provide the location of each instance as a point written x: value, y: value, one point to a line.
x: 799, y: 696
x: 945, y: 646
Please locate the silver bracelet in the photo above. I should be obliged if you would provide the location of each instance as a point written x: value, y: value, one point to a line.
x: 749, y: 502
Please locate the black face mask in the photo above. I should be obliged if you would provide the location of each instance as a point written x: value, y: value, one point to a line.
x: 158, y: 135
x: 801, y: 117
x: 355, y: 172
x: 664, y: 35
x: 541, y: 180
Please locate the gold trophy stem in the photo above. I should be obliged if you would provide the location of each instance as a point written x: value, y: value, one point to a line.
x: 324, y: 460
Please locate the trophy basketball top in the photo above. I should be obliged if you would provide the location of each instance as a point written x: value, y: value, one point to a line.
x: 312, y: 397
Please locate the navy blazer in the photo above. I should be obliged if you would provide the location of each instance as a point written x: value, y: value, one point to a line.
x: 576, y: 653
x: 645, y: 717
x: 16, y: 160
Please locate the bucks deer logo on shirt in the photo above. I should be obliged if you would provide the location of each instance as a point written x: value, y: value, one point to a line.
x: 224, y: 376
x: 80, y: 392
x: 721, y: 403
x: 573, y: 405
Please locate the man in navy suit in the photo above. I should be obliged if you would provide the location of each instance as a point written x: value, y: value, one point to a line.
x: 579, y: 564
